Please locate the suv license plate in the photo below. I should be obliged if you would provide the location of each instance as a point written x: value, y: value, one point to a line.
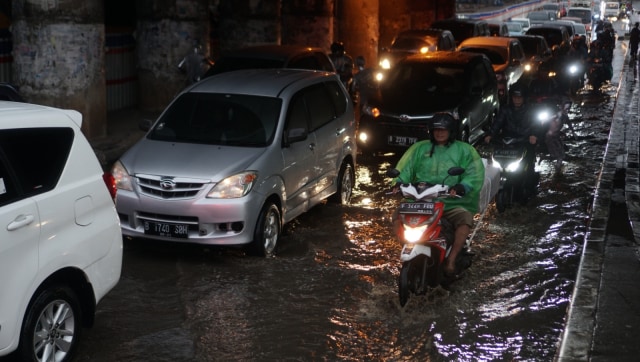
x: 166, y: 229
x: 402, y: 140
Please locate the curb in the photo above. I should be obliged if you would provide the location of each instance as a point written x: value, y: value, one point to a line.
x: 578, y: 335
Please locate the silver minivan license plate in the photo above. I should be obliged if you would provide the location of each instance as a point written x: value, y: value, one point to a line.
x: 166, y: 229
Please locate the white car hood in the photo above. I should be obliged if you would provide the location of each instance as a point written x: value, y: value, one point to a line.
x: 207, y: 162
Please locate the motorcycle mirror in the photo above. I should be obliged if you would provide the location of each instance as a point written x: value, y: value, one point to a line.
x: 392, y: 172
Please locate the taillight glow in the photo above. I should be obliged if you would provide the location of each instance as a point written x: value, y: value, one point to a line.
x: 110, y: 181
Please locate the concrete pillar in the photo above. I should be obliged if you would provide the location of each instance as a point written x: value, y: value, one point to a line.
x: 58, y: 57
x: 166, y: 32
x: 308, y: 23
x: 249, y: 22
x: 359, y: 28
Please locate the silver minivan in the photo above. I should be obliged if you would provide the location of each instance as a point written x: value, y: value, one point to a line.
x: 236, y: 156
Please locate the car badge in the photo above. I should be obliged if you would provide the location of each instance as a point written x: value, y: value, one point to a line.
x: 404, y: 118
x: 167, y: 184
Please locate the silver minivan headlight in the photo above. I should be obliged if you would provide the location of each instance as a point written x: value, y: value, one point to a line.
x: 121, y: 177
x: 234, y: 186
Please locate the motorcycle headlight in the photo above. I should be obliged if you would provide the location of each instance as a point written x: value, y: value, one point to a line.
x: 527, y: 67
x: 385, y: 63
x: 413, y: 234
x: 121, y: 176
x: 234, y: 186
x: 573, y: 69
x: 544, y: 116
x: 513, y: 166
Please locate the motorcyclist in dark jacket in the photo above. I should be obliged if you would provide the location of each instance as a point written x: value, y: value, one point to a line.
x: 516, y: 121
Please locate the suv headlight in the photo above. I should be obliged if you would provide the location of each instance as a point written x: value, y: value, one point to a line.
x: 121, y: 176
x: 234, y: 186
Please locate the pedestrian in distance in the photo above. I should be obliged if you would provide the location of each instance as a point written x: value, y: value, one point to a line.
x: 634, y: 39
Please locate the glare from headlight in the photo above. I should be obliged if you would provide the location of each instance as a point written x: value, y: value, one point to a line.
x: 424, y: 50
x: 121, y: 176
x: 513, y: 166
x: 379, y: 76
x: 385, y: 63
x: 527, y: 67
x: 544, y: 116
x: 573, y: 69
x: 234, y: 186
x: 363, y: 136
x: 414, y: 234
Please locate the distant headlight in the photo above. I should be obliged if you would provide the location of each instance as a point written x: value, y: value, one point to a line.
x: 121, y: 176
x: 385, y: 63
x: 234, y: 186
x: 527, y: 67
x: 424, y: 50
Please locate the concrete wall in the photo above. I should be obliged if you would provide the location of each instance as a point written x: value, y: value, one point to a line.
x: 58, y: 57
x: 62, y: 55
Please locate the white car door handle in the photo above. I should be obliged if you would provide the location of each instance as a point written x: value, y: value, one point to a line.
x: 20, y: 221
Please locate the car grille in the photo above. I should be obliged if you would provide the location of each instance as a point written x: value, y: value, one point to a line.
x: 394, y: 123
x: 189, y: 220
x: 167, y: 188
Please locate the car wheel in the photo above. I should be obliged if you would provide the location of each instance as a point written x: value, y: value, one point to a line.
x: 52, y: 326
x: 265, y: 237
x: 345, y: 185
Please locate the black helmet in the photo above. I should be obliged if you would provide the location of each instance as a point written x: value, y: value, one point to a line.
x: 443, y: 120
x: 337, y: 47
x: 517, y: 90
x: 360, y: 61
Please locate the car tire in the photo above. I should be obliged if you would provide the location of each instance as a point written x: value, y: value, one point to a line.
x: 345, y: 180
x: 267, y: 232
x: 53, y: 325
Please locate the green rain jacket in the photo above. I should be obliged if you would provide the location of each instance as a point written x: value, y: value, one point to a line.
x: 417, y: 164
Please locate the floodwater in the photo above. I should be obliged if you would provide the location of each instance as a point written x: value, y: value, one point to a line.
x: 331, y: 292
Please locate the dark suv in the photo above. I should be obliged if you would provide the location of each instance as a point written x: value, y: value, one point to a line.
x: 272, y: 56
x: 463, y: 28
x: 420, y: 85
x: 416, y: 41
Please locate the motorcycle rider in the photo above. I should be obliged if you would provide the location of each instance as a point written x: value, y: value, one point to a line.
x: 429, y: 160
x: 343, y: 63
x: 515, y: 120
x: 364, y: 81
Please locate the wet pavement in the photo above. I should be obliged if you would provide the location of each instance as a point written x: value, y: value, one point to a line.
x: 604, y: 314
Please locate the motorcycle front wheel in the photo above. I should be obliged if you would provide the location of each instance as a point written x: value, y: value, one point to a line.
x: 502, y: 199
x: 408, y: 281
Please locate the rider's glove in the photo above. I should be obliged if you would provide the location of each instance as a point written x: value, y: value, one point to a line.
x: 459, y: 189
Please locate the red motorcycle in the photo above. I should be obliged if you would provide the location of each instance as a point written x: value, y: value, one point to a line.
x: 426, y: 237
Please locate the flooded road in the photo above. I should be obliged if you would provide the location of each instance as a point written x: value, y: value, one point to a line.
x: 331, y: 291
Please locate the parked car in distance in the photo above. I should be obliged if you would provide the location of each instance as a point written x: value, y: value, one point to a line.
x: 416, y: 41
x: 585, y: 14
x: 537, y: 51
x: 540, y: 16
x: 506, y: 56
x: 554, y: 35
x: 61, y: 245
x: 272, y: 56
x: 237, y: 155
x: 515, y: 28
x: 463, y: 28
x: 498, y: 29
x: 463, y: 84
x: 526, y: 24
x: 553, y: 7
x: 570, y: 25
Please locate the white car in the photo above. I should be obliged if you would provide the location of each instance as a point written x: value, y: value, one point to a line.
x: 60, y: 239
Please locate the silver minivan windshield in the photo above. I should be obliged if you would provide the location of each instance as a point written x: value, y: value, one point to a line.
x: 219, y: 119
